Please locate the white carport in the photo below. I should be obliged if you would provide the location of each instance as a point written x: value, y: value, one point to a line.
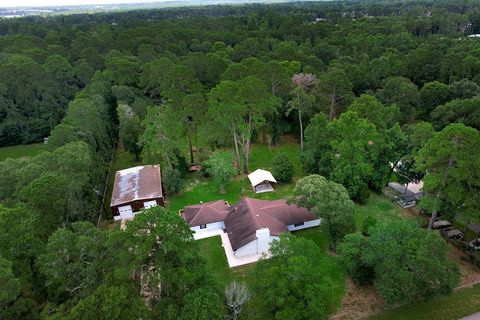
x: 261, y: 180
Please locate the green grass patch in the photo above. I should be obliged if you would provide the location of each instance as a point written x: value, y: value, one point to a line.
x: 316, y: 235
x: 261, y: 157
x: 211, y: 248
x: 330, y: 264
x: 22, y: 150
x: 381, y: 208
x: 459, y: 304
x: 198, y: 189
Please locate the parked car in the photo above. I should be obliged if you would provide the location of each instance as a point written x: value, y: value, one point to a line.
x: 453, y: 233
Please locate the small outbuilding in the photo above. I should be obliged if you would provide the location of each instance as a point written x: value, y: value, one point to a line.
x: 410, y: 193
x: 135, y: 189
x: 262, y: 181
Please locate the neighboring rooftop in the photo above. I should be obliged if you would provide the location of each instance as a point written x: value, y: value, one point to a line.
x: 413, y: 188
x: 249, y: 215
x: 137, y: 183
x: 205, y: 213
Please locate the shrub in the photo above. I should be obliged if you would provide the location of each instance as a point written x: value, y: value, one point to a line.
x: 368, y: 223
x: 282, y: 168
x: 351, y: 251
x: 220, y: 166
x: 180, y: 162
x: 172, y: 180
x: 361, y: 197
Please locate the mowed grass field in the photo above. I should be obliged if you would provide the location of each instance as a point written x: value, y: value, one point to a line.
x: 461, y: 303
x: 22, y: 150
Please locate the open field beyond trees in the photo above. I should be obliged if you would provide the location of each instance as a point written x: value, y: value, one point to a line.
x: 21, y: 150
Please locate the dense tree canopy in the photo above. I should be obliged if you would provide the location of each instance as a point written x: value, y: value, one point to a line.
x: 409, y: 263
x: 291, y: 285
x: 362, y: 86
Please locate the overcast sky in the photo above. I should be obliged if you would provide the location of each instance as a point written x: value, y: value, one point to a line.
x: 18, y: 3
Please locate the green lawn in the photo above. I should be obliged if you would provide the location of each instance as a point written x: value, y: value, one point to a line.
x: 212, y: 250
x: 455, y: 306
x: 381, y: 208
x: 21, y: 150
x: 199, y: 189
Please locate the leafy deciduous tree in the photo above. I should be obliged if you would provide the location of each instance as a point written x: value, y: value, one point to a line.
x: 291, y: 285
x: 329, y: 201
x: 451, y: 162
x: 220, y: 166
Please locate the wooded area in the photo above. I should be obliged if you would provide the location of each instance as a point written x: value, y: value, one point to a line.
x: 364, y: 87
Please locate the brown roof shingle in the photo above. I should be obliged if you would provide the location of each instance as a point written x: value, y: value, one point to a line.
x: 205, y: 213
x: 137, y: 183
x: 249, y: 215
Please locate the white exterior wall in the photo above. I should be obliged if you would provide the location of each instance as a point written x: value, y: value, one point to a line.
x: 211, y: 226
x: 248, y: 249
x: 125, y: 212
x: 252, y: 248
x: 263, y: 240
x: 149, y: 204
x: 307, y: 224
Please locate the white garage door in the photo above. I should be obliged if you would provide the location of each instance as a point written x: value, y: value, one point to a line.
x: 149, y: 204
x: 126, y: 212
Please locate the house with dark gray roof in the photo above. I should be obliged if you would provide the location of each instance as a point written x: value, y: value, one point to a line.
x: 250, y: 224
x: 135, y: 189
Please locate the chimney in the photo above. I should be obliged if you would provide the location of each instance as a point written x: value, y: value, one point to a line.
x: 263, y: 240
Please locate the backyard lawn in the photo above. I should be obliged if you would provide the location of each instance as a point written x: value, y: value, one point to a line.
x: 21, y: 150
x: 455, y: 306
x: 199, y: 189
x: 382, y: 209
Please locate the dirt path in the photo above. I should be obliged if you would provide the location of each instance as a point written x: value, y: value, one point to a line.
x: 358, y: 302
x: 470, y: 273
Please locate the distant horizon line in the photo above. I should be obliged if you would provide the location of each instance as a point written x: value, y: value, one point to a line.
x: 143, y: 2
x: 93, y: 3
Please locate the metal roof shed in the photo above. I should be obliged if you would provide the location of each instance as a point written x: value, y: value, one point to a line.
x: 261, y: 180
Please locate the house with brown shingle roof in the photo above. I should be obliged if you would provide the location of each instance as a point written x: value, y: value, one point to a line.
x: 135, y: 189
x: 206, y: 216
x: 250, y: 224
